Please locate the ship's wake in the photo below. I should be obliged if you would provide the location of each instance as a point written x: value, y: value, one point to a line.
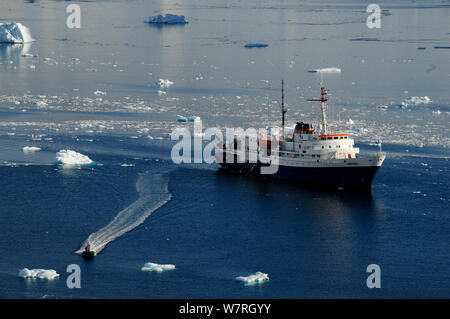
x: 153, y: 193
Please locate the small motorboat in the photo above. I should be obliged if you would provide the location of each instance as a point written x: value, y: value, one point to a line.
x: 88, y: 253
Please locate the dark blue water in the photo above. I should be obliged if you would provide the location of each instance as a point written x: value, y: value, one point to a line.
x: 215, y: 227
x: 311, y: 242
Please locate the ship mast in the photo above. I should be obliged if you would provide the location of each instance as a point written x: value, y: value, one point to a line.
x: 323, y: 99
x: 283, y: 111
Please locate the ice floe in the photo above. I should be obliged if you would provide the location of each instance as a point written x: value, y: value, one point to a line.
x: 181, y: 118
x: 30, y: 149
x: 436, y: 113
x: 99, y: 93
x: 38, y: 273
x: 69, y: 157
x: 157, y: 267
x: 164, y: 83
x: 167, y: 19
x: 13, y: 32
x: 256, y: 278
x: 255, y: 45
x: 41, y: 104
x: 416, y: 100
x: 326, y: 70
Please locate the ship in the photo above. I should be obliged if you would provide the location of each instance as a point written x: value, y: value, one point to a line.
x: 306, y: 156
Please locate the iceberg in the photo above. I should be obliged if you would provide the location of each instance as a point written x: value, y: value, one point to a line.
x: 163, y: 84
x: 326, y: 70
x: 69, y: 157
x: 38, y: 273
x: 157, y: 267
x: 181, y: 118
x: 30, y: 149
x: 256, y: 45
x: 14, y: 33
x: 167, y: 19
x: 256, y: 278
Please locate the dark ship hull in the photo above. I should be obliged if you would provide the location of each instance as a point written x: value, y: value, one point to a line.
x: 350, y: 177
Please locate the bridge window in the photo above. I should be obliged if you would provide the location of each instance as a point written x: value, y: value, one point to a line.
x: 336, y: 137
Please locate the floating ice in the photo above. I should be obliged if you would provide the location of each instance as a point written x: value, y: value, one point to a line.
x: 38, y: 273
x: 350, y: 122
x: 164, y: 83
x: 256, y: 278
x: 167, y: 19
x: 157, y: 267
x: 70, y: 157
x: 162, y: 92
x: 98, y: 93
x: 14, y: 33
x: 416, y: 100
x: 255, y: 45
x: 181, y: 118
x: 326, y: 70
x: 437, y: 113
x: 127, y: 165
x: 41, y: 104
x: 30, y: 149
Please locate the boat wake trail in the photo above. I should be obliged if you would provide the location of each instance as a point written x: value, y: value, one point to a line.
x: 153, y: 193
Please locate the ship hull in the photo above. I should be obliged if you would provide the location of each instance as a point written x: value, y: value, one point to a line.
x: 350, y: 177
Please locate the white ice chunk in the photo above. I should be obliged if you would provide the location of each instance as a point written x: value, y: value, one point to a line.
x: 30, y: 149
x: 157, y: 267
x: 98, y: 93
x: 164, y: 83
x: 256, y: 278
x: 416, y: 100
x: 127, y: 165
x: 38, y: 273
x: 181, y: 118
x: 437, y: 113
x: 70, y: 157
x: 13, y: 32
x: 41, y: 104
x: 326, y: 70
x: 194, y: 118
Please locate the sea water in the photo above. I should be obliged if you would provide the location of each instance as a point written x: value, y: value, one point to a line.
x: 94, y: 91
